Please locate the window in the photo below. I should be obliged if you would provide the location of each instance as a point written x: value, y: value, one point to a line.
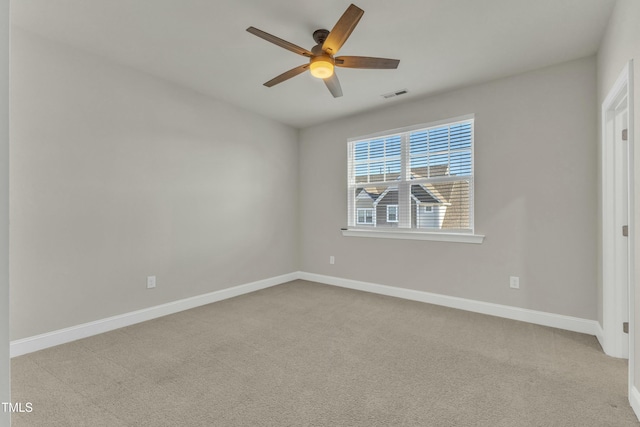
x: 392, y: 213
x: 365, y: 216
x: 421, y: 177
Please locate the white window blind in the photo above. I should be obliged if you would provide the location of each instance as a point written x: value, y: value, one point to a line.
x: 418, y: 178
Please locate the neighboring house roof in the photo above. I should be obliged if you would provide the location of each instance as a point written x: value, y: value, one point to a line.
x: 430, y: 172
x: 441, y: 192
x: 422, y: 195
x: 372, y: 192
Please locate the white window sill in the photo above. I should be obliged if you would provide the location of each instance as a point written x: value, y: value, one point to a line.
x: 415, y: 235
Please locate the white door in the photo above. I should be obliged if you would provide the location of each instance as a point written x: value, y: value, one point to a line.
x: 617, y: 212
x: 619, y: 136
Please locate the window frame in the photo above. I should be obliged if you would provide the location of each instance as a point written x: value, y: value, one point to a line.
x: 405, y: 231
x: 396, y: 213
x: 365, y: 216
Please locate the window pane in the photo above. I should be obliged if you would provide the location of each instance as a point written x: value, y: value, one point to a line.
x: 438, y: 165
x: 362, y: 169
x: 361, y: 150
x: 387, y: 197
x: 376, y: 149
x: 418, y: 142
x: 419, y: 167
x: 461, y: 163
x: 393, y: 146
x: 442, y: 205
x: 439, y: 139
x: 376, y: 172
x: 365, y: 215
x: 377, y: 160
x: 371, y: 206
x: 461, y: 136
x: 362, y: 173
x: 392, y: 213
x: 394, y: 168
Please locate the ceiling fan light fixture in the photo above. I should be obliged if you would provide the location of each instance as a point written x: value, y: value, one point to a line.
x: 322, y: 58
x: 321, y: 67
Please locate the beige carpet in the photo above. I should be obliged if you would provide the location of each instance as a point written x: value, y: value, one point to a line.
x: 305, y: 354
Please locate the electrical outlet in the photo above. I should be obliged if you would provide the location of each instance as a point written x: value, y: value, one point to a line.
x: 332, y: 259
x: 514, y: 282
x: 151, y: 282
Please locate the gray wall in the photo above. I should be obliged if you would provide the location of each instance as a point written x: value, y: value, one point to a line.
x: 5, y: 377
x: 535, y: 196
x: 620, y: 44
x: 117, y: 175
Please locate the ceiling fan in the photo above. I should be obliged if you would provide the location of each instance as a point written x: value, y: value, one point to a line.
x: 321, y: 57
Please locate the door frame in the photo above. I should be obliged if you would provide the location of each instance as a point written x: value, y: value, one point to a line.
x: 613, y: 339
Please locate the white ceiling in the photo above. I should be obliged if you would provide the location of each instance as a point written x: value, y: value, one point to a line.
x: 441, y: 44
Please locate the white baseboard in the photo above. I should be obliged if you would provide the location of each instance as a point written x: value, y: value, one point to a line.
x: 634, y: 400
x: 569, y: 323
x: 600, y: 336
x: 62, y: 336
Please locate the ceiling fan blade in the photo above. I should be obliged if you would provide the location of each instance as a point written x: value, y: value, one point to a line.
x: 278, y: 41
x: 287, y: 75
x: 342, y: 30
x: 333, y: 84
x: 366, y: 62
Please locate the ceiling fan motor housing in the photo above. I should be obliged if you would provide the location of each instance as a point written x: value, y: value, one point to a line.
x: 317, y: 51
x: 320, y: 35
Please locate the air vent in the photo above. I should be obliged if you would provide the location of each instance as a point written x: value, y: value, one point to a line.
x: 394, y: 94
